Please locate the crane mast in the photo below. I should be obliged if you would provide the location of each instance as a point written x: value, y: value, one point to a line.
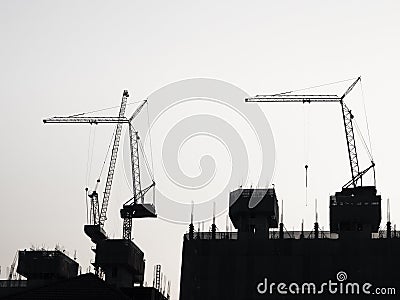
x: 134, y: 145
x: 135, y: 207
x: 136, y: 183
x: 356, y: 174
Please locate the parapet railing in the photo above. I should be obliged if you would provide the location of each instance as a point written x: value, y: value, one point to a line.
x: 275, y: 235
x: 383, y: 234
x: 13, y: 283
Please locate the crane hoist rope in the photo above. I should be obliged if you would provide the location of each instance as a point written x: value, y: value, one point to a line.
x: 88, y: 156
x: 356, y: 174
x: 92, y: 138
x: 306, y: 130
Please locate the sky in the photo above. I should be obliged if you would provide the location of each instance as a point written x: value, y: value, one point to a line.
x: 66, y: 57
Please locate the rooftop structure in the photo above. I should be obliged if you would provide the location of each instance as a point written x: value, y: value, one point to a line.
x: 46, y: 264
x: 355, y: 212
x: 253, y: 211
x: 121, y: 261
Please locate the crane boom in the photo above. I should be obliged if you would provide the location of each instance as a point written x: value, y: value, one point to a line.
x: 111, y: 168
x: 94, y: 120
x: 294, y: 98
x: 90, y: 120
x: 356, y: 174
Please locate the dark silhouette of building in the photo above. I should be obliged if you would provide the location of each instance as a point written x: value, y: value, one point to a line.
x: 53, y: 275
x: 350, y: 261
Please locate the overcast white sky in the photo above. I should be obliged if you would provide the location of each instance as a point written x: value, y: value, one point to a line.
x: 63, y: 57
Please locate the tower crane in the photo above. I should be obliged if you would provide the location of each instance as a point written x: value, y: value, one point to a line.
x: 95, y: 230
x: 356, y: 174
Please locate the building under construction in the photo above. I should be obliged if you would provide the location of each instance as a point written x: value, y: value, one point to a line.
x: 119, y: 264
x: 51, y: 274
x: 261, y: 260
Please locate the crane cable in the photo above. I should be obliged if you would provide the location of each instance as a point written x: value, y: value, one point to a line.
x: 368, y: 132
x: 306, y: 131
x: 87, y: 204
x: 363, y: 140
x: 88, y: 155
x: 89, y: 166
x: 105, y: 158
x: 317, y: 86
x: 90, y: 151
x: 102, y: 109
x: 151, y: 149
x: 91, y: 154
x: 366, y: 119
x: 146, y: 160
x: 87, y: 171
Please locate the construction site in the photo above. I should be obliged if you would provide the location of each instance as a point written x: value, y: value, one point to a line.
x: 119, y: 264
x: 357, y: 258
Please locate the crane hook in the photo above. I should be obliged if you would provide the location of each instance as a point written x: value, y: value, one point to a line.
x: 306, y: 167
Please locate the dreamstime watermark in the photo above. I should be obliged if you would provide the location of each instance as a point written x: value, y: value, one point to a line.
x: 338, y: 286
x: 204, y: 141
